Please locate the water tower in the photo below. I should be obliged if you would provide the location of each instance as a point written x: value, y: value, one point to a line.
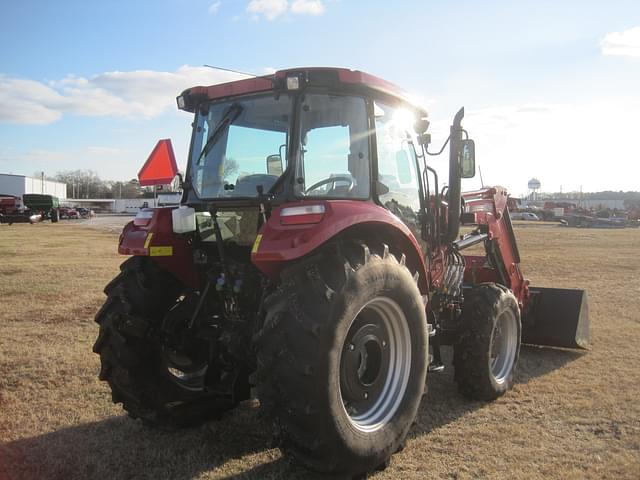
x: 534, y: 186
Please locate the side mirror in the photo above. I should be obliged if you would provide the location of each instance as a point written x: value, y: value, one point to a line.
x: 274, y: 165
x: 467, y: 159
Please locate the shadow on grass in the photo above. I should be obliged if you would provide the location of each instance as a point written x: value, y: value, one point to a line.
x: 443, y: 404
x: 120, y: 448
x: 236, y: 446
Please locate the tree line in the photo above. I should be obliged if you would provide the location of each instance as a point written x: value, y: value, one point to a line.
x: 88, y: 184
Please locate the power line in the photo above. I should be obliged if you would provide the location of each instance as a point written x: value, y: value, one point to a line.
x: 230, y: 70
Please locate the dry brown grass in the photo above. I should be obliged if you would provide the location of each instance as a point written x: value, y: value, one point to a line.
x: 571, y: 415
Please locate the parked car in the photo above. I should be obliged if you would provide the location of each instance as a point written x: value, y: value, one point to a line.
x: 83, y: 212
x: 524, y: 216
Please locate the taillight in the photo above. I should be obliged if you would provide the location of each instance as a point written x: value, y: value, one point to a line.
x: 143, y: 218
x: 302, y: 215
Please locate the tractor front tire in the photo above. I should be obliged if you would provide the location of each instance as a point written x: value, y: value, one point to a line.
x: 486, y: 353
x: 131, y: 356
x: 342, y: 358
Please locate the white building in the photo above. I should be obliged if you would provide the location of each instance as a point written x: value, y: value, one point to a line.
x: 18, y: 185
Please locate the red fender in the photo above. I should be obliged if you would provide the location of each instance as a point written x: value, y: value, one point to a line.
x: 278, y: 244
x: 154, y: 237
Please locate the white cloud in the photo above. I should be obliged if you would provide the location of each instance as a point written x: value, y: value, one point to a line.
x: 139, y: 93
x: 42, y: 157
x: 272, y: 9
x: 105, y: 151
x: 311, y: 7
x: 27, y: 101
x: 214, y: 7
x: 568, y: 145
x: 625, y: 43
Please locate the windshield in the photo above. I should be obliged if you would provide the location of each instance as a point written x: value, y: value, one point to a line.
x: 240, y: 145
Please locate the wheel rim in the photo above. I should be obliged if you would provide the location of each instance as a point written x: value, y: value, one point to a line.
x: 184, y: 371
x: 375, y: 364
x: 186, y: 366
x: 503, y: 347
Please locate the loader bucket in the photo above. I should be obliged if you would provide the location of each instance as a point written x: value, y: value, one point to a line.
x: 557, y: 317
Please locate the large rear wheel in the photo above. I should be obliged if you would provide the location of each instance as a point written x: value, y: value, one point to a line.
x: 486, y: 354
x: 342, y: 358
x: 154, y: 380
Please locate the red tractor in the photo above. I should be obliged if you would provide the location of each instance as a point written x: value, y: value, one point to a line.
x: 315, y: 264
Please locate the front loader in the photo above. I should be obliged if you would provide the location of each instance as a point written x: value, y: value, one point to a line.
x: 316, y: 264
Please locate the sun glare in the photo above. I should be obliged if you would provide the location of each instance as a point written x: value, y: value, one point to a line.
x: 404, y: 119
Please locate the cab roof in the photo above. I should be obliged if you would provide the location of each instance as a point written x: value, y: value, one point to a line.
x: 311, y: 76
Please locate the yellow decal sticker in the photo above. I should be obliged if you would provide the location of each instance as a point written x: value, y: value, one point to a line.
x: 148, y: 240
x: 161, y: 251
x: 256, y: 244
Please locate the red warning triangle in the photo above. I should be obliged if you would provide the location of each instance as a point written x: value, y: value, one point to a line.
x: 160, y: 168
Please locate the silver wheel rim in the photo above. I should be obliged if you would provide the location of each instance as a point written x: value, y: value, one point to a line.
x: 184, y: 372
x: 375, y: 364
x: 187, y: 369
x: 503, y: 346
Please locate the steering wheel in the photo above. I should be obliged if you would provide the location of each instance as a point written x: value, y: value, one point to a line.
x: 338, y: 178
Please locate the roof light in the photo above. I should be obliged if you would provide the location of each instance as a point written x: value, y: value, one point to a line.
x: 293, y: 83
x: 302, y: 215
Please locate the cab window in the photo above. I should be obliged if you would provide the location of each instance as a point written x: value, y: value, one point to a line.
x: 397, y: 164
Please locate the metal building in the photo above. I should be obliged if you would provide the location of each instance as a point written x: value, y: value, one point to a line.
x: 18, y: 185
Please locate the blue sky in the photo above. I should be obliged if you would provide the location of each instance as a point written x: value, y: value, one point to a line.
x: 551, y: 89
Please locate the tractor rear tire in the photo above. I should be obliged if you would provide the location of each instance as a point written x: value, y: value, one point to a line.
x: 342, y: 358
x: 486, y: 353
x: 55, y: 215
x: 131, y: 356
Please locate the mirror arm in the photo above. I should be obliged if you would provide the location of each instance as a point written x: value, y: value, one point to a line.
x: 444, y: 145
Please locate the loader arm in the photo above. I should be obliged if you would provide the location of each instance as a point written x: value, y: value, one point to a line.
x: 487, y: 208
x: 550, y: 316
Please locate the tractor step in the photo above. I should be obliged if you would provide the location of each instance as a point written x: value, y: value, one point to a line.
x: 557, y: 317
x: 435, y: 366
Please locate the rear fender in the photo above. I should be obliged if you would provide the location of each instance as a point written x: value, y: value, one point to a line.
x: 278, y: 245
x: 157, y: 240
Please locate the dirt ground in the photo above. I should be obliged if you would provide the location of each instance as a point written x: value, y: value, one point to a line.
x: 571, y: 414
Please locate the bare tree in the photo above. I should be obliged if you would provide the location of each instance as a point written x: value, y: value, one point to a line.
x: 231, y: 168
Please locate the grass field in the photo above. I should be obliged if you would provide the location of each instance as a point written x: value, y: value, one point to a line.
x: 571, y: 414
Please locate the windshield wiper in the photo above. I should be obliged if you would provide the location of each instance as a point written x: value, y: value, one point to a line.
x: 227, y: 119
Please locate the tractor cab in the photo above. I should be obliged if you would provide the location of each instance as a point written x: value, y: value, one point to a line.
x: 326, y: 134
